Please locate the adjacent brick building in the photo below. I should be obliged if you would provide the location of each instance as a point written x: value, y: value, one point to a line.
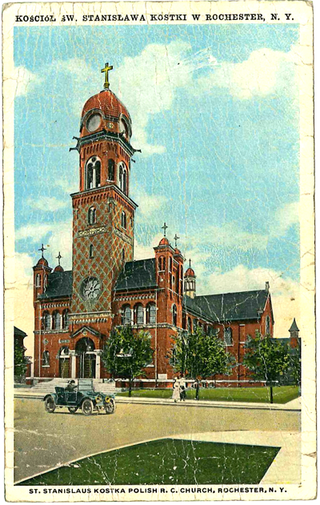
x: 76, y: 310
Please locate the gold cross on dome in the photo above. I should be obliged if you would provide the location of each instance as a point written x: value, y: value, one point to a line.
x: 106, y: 70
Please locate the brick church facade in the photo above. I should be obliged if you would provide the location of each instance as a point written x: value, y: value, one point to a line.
x: 75, y: 311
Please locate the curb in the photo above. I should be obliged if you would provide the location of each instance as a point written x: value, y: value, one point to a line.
x: 187, y: 403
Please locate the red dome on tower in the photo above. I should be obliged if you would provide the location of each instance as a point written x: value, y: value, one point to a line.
x: 107, y: 102
x: 58, y: 269
x: 164, y: 241
x: 42, y: 262
x: 190, y: 273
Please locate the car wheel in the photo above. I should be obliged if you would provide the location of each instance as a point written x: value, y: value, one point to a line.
x: 87, y: 407
x: 50, y: 404
x: 109, y: 407
x: 72, y: 409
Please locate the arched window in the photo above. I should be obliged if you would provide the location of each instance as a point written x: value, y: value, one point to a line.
x: 92, y: 215
x: 125, y: 314
x: 91, y: 254
x: 46, y: 321
x: 267, y: 325
x: 195, y: 324
x: 38, y: 281
x: 56, y: 320
x: 64, y: 352
x: 45, y: 358
x: 110, y: 170
x: 174, y: 315
x: 123, y: 220
x: 93, y: 169
x: 189, y: 325
x: 65, y: 318
x: 123, y: 254
x: 162, y: 263
x: 123, y: 178
x: 228, y: 336
x: 138, y: 314
x: 170, y: 264
x: 151, y: 313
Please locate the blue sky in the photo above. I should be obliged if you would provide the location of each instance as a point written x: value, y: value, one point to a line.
x: 215, y: 112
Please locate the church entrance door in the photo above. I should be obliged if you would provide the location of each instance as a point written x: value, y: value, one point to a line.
x: 64, y: 360
x: 86, y: 359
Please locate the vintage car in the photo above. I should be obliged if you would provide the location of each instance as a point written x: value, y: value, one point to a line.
x: 88, y: 401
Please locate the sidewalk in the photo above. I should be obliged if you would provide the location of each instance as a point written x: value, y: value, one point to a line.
x: 294, y: 405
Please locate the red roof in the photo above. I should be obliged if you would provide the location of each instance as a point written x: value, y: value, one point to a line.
x: 42, y: 261
x: 107, y: 102
x: 58, y: 269
x: 164, y: 241
x: 190, y: 273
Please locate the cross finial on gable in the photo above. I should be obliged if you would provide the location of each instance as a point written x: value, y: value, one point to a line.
x: 176, y: 238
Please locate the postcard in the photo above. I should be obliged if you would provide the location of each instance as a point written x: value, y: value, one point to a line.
x: 158, y: 184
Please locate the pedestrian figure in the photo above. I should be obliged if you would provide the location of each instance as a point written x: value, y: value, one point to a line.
x: 176, y: 391
x: 183, y: 393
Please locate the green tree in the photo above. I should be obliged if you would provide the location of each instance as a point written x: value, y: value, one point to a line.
x: 267, y: 360
x: 199, y: 356
x: 295, y: 367
x: 20, y: 362
x: 126, y: 354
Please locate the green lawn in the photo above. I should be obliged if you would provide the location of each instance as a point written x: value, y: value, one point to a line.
x: 166, y: 461
x: 281, y: 394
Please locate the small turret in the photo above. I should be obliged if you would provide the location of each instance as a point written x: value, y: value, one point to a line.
x: 190, y: 282
x: 294, y: 334
x: 40, y: 275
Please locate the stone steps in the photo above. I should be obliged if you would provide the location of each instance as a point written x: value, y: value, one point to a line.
x: 84, y: 385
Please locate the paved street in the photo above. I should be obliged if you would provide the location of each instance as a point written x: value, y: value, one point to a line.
x: 43, y: 441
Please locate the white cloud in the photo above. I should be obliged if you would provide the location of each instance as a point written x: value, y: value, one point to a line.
x: 24, y: 81
x: 149, y: 204
x: 66, y: 185
x: 265, y: 71
x: 48, y: 204
x: 35, y: 232
x: 61, y: 240
x: 285, y: 217
x: 142, y: 252
x: 230, y: 235
x: 155, y: 74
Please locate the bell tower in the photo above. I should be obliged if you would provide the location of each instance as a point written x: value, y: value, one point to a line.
x: 103, y: 213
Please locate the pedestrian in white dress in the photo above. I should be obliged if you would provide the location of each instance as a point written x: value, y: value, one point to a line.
x: 176, y: 391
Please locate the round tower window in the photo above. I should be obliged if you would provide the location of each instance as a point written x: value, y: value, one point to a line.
x: 93, y: 122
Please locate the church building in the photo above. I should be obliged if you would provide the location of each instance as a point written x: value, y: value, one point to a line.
x: 75, y: 311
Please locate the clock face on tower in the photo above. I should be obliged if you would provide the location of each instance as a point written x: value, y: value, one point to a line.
x: 93, y: 122
x: 90, y: 288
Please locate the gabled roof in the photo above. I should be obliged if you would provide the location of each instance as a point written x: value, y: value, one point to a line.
x: 88, y: 329
x: 139, y: 274
x: 238, y: 306
x: 59, y: 285
x: 19, y: 332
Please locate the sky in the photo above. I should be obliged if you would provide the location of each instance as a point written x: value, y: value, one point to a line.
x: 215, y: 112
